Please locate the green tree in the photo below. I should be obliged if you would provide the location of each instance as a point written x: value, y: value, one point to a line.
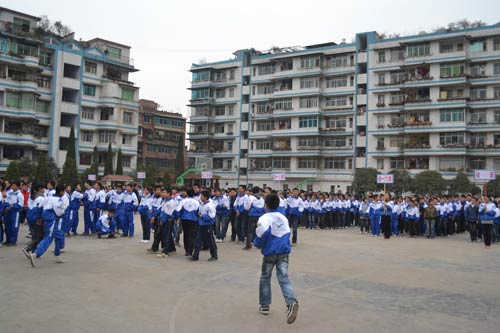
x: 108, y: 164
x: 365, y: 180
x: 119, y: 163
x: 12, y: 172
x: 71, y: 153
x: 493, y: 188
x: 53, y: 169
x: 403, y: 182
x: 461, y: 185
x: 180, y: 158
x: 167, y: 179
x: 430, y: 182
x: 150, y: 176
x: 26, y: 167
x: 69, y: 173
x: 42, y: 171
x: 94, y: 167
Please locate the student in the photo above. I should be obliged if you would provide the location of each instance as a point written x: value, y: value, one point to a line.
x: 273, y: 238
x: 375, y: 216
x: 88, y: 209
x: 241, y: 214
x: 188, y: 212
x: 164, y: 231
x: 115, y: 202
x: 255, y: 208
x: 53, y: 211
x: 130, y: 203
x: 100, y: 201
x: 412, y: 215
x: 295, y: 209
x: 222, y: 206
x: 487, y: 214
x: 386, y: 217
x: 430, y: 214
x: 144, y: 212
x: 106, y: 225
x: 15, y: 202
x: 34, y: 216
x: 74, y: 204
x: 204, y: 234
x: 472, y: 218
x: 363, y: 216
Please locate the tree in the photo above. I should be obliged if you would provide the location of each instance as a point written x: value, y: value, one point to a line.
x: 71, y: 153
x: 45, y: 26
x: 94, y: 167
x: 403, y: 182
x: 365, y: 180
x: 53, y: 169
x: 150, y: 176
x: 180, y: 159
x: 26, y: 167
x: 108, y: 164
x: 493, y: 188
x: 42, y: 171
x: 69, y: 174
x: 119, y: 163
x: 461, y: 184
x: 12, y: 172
x: 167, y: 179
x: 430, y: 182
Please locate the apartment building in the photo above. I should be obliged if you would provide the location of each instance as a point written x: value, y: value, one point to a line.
x: 159, y: 136
x: 422, y: 102
x: 49, y: 84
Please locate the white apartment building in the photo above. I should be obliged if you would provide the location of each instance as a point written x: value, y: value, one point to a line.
x: 49, y: 84
x: 423, y: 102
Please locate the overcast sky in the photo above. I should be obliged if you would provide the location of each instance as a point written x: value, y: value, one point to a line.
x: 168, y: 36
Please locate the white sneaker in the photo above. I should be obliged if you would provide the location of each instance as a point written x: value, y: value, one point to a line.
x: 145, y: 241
x: 32, y: 259
x: 218, y: 240
x: 60, y: 260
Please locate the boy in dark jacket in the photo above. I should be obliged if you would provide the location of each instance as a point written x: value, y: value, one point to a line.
x: 472, y: 215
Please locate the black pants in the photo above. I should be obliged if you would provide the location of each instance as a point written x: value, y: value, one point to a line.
x: 241, y: 226
x: 386, y: 226
x: 163, y: 236
x: 365, y: 224
x: 146, y: 228
x: 487, y: 233
x: 252, y: 224
x: 232, y: 221
x: 189, y: 231
x: 204, y: 234
x: 37, y: 234
x: 414, y: 225
x: 473, y: 231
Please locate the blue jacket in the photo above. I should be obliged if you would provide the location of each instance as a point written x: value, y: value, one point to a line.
x: 272, y: 235
x: 207, y: 211
x: 189, y: 209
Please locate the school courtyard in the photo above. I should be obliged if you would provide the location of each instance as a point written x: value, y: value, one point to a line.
x: 345, y: 282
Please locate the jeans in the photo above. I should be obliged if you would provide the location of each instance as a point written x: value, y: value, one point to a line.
x: 293, y: 221
x: 430, y: 227
x: 221, y: 224
x: 281, y: 263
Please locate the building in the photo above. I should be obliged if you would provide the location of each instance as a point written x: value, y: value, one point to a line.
x: 159, y: 135
x: 49, y: 84
x: 314, y: 114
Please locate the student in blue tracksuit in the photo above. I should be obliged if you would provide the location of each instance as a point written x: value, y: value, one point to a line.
x: 255, y: 208
x: 188, y: 212
x: 222, y: 206
x: 100, y: 201
x: 241, y: 214
x: 295, y: 209
x: 164, y: 232
x: 413, y: 215
x: 273, y: 238
x: 116, y: 202
x: 144, y: 212
x: 88, y: 209
x: 74, y: 206
x: 34, y: 216
x: 487, y: 212
x: 3, y: 205
x: 106, y: 225
x: 204, y: 234
x: 375, y: 216
x: 130, y: 203
x: 386, y: 216
x: 15, y: 202
x: 53, y: 211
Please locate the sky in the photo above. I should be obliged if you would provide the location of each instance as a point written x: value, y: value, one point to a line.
x: 168, y: 36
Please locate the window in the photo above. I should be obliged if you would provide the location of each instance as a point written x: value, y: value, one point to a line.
x: 128, y: 94
x: 85, y: 158
x: 229, y: 128
x: 21, y: 25
x: 266, y: 69
x: 88, y: 90
x: 307, y: 163
x: 87, y: 113
x: 106, y: 113
x: 42, y: 106
x: 264, y: 145
x: 90, y: 67
x: 397, y: 163
x: 229, y: 146
x: 309, y: 62
x: 147, y: 118
x: 380, y: 143
x: 128, y: 117
x: 309, y: 82
x: 478, y: 46
x: 451, y: 163
x: 283, y: 104
x: 107, y: 137
x: 87, y: 136
x: 336, y: 101
x: 284, y: 124
x: 308, y: 142
x: 231, y: 74
x: 397, y: 98
x: 113, y: 52
x: 478, y: 92
x: 451, y: 115
x: 496, y: 92
x: 398, y: 77
x: 341, y: 61
x: 220, y: 93
x: 231, y: 92
x: 305, y: 122
x: 126, y: 161
x: 264, y: 89
x: 168, y: 122
x: 45, y: 58
x: 201, y: 76
x: 381, y: 57
x: 220, y: 110
x: 451, y: 139
x: 264, y: 126
x: 281, y: 163
x: 420, y: 50
x: 381, y: 79
x: 478, y: 70
x: 334, y: 141
x: 477, y: 139
x: 396, y: 141
x: 336, y: 82
x: 199, y: 94
x: 397, y: 55
x: 496, y: 69
x: 450, y: 93
x: 336, y: 122
x: 334, y: 163
x: 452, y: 70
x: 477, y: 163
x: 380, y: 164
x: 219, y: 128
x: 445, y: 48
x: 19, y: 100
x: 126, y: 139
x: 308, y: 102
x: 220, y: 76
x: 43, y: 82
x: 478, y: 116
x: 381, y: 100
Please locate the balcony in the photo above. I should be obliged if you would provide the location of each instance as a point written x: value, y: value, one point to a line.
x: 416, y: 146
x: 417, y: 123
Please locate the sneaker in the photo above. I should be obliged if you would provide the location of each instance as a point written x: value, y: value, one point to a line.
x: 26, y: 253
x: 213, y: 259
x: 264, y: 309
x: 145, y: 241
x: 99, y: 235
x: 291, y: 313
x: 60, y: 260
x: 111, y: 236
x: 247, y: 248
x: 193, y: 259
x: 218, y: 240
x: 161, y: 255
x: 32, y: 259
x: 150, y: 251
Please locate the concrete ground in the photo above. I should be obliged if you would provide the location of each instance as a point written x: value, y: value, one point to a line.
x: 345, y: 282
